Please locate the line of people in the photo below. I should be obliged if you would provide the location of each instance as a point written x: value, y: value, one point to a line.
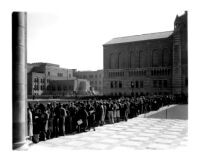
x: 46, y: 121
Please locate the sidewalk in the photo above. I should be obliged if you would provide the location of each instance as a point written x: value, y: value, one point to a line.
x: 137, y: 133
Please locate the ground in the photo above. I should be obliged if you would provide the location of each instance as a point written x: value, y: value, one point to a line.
x: 137, y: 133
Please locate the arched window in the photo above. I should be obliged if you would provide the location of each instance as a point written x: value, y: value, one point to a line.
x: 166, y: 56
x: 114, y: 61
x: 110, y: 61
x: 141, y: 84
x: 115, y: 84
x: 123, y: 60
x: 120, y: 84
x: 152, y: 73
x: 157, y: 72
x: 163, y: 72
x: 129, y: 64
x: 143, y: 59
x: 136, y: 84
x: 157, y: 58
x: 111, y: 84
x: 134, y: 59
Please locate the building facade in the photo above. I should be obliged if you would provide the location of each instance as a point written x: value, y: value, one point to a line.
x: 50, y: 79
x: 148, y: 64
x: 95, y: 78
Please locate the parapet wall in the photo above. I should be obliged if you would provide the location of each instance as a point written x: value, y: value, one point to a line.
x: 171, y: 112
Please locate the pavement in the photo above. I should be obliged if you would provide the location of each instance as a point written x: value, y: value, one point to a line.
x: 137, y: 133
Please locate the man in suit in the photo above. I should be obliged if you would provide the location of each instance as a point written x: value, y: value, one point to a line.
x: 91, y: 116
x: 62, y: 120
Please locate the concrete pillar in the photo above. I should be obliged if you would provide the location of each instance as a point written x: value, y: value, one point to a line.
x: 19, y: 78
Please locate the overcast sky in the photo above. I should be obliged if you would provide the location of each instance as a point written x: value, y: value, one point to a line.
x: 72, y: 34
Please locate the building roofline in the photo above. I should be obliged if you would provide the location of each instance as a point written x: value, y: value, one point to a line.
x: 43, y: 63
x: 138, y: 35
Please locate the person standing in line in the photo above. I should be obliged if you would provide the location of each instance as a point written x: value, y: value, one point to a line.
x: 118, y: 112
x: 67, y: 120
x: 122, y: 110
x: 56, y: 121
x: 110, y: 113
x: 126, y: 110
x: 73, y: 113
x: 50, y: 121
x: 105, y: 112
x: 30, y: 121
x: 84, y: 116
x: 44, y: 122
x: 114, y: 112
x: 131, y: 115
x: 36, y: 123
x: 62, y: 120
x: 102, y: 113
x: 91, y: 116
x: 98, y: 113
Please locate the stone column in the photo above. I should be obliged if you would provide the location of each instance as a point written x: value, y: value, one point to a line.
x: 19, y: 77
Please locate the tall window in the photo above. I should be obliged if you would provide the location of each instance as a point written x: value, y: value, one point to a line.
x: 165, y: 83
x: 141, y: 84
x: 152, y: 72
x: 143, y: 58
x: 111, y: 84
x: 166, y: 57
x: 115, y: 84
x: 120, y: 84
x: 157, y: 58
x: 160, y: 83
x: 136, y: 84
x: 155, y: 83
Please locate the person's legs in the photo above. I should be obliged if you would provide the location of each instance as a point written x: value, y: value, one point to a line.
x: 109, y: 117
x: 112, y: 117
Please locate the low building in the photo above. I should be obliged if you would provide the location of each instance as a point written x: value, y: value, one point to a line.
x: 50, y: 79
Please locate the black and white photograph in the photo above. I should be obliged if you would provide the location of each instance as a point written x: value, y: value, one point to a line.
x: 99, y: 75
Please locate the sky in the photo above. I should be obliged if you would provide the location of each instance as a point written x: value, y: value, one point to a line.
x: 72, y: 34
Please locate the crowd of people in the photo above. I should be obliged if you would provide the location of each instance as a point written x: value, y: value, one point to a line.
x: 46, y: 121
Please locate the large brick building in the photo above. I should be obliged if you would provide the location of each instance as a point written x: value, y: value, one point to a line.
x: 50, y: 79
x: 155, y: 63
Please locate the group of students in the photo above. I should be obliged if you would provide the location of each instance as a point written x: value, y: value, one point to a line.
x: 46, y: 121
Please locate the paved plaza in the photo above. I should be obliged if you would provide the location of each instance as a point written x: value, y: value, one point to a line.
x: 137, y: 133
